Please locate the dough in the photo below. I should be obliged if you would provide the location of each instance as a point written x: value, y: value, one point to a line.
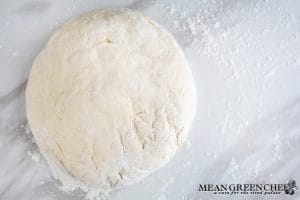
x: 109, y: 99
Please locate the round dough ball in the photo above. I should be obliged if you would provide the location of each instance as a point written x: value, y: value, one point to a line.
x: 109, y: 99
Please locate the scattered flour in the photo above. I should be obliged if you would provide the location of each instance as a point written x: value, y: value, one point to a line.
x: 161, y: 195
x: 36, y: 157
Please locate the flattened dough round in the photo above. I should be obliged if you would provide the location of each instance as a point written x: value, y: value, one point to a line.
x: 110, y: 99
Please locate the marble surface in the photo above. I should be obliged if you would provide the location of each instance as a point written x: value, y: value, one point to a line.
x: 245, y: 57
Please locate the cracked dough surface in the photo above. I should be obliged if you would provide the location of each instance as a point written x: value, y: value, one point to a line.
x: 110, y: 99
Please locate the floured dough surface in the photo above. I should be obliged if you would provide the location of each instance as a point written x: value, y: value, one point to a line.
x: 110, y: 99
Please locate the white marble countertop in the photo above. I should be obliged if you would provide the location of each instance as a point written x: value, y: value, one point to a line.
x: 245, y: 56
